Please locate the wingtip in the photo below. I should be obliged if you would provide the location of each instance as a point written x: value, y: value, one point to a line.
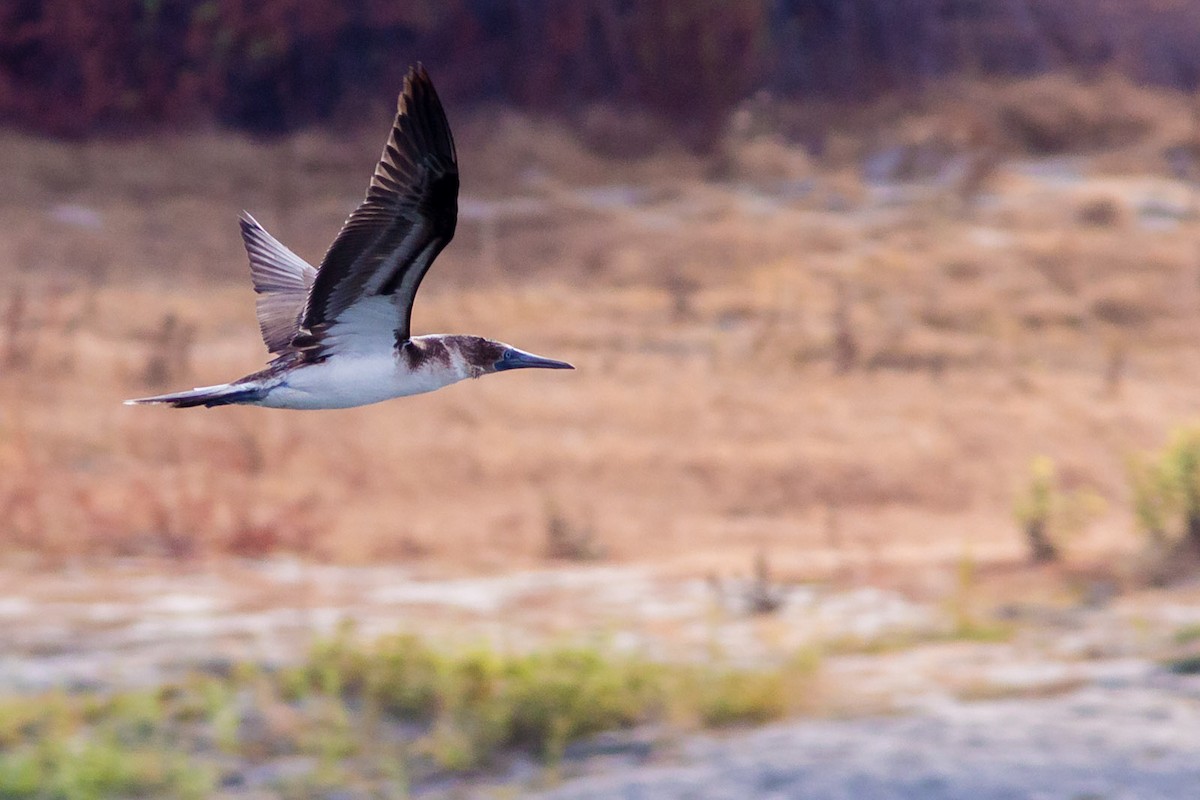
x: 247, y: 222
x: 416, y: 75
x: 416, y: 79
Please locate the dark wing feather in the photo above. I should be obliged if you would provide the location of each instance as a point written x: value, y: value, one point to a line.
x: 409, y: 215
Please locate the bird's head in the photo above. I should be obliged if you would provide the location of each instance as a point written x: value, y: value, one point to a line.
x: 487, y: 355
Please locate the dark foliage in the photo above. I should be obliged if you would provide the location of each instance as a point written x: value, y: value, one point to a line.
x: 69, y: 67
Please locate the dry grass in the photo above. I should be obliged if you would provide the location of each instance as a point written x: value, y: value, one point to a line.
x: 718, y: 408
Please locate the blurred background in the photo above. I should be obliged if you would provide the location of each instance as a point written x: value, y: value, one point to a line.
x: 883, y: 433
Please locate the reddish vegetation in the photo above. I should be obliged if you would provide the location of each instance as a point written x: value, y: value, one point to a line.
x: 71, y: 66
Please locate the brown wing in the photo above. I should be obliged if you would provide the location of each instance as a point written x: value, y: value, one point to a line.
x: 409, y: 215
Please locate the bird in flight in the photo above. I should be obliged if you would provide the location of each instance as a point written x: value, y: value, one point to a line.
x: 341, y: 333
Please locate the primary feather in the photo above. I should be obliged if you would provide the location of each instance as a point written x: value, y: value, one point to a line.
x: 282, y: 280
x: 408, y: 216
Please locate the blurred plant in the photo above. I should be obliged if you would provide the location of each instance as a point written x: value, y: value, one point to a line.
x: 1166, y: 492
x: 31, y: 510
x: 759, y: 595
x: 356, y: 709
x: 962, y: 604
x: 968, y: 176
x: 568, y: 540
x: 1116, y: 364
x: 480, y: 702
x: 682, y: 290
x: 170, y: 353
x: 1154, y: 497
x: 1048, y: 514
x: 764, y: 596
x: 17, y: 331
x: 1100, y: 212
x: 92, y: 747
x: 845, y: 343
x: 1033, y: 510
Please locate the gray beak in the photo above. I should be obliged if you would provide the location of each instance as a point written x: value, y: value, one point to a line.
x: 519, y: 359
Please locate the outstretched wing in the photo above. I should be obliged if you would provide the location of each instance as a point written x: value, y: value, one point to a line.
x: 387, y: 244
x: 282, y: 280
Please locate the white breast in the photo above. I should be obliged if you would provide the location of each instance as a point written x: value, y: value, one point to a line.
x: 346, y: 381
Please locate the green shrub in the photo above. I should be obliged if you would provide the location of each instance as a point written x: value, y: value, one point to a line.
x: 100, y: 767
x: 366, y: 709
x: 1166, y: 491
x: 479, y: 702
x: 1048, y: 514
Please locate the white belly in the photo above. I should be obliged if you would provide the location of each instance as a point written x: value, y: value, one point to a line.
x: 348, y: 381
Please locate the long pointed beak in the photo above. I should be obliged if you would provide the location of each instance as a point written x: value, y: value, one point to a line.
x: 519, y: 359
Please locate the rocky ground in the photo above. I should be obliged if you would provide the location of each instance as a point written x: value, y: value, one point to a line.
x: 1133, y: 735
x: 1074, y: 700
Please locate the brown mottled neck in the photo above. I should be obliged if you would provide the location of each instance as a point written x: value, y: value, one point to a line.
x: 471, y: 354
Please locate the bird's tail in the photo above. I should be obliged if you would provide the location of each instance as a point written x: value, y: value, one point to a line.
x: 207, y: 396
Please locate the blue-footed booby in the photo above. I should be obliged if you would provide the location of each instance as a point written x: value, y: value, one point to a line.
x: 340, y: 332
